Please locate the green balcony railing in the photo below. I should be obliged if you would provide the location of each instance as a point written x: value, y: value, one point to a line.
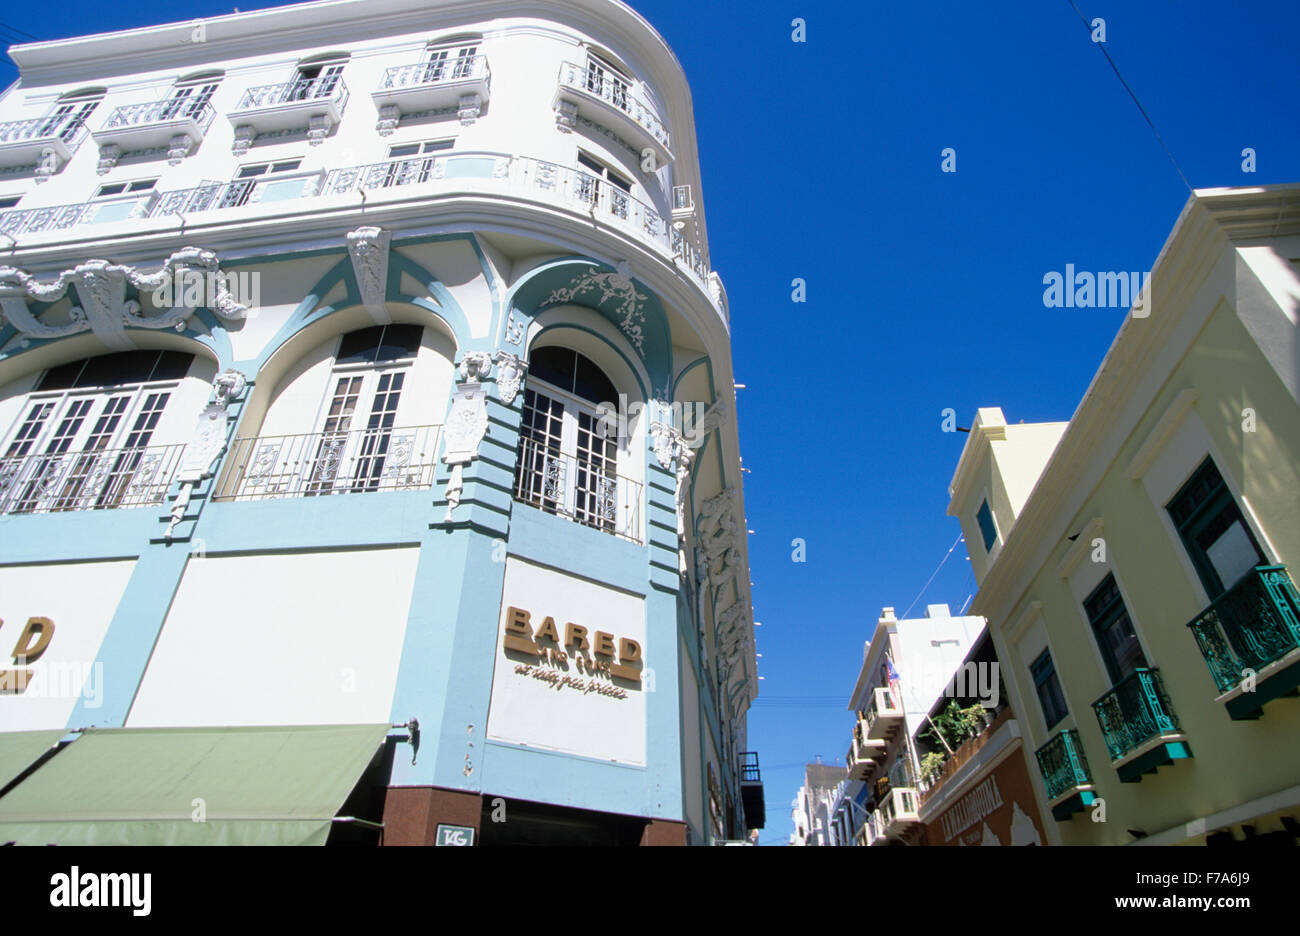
x: 1134, y: 712
x: 1063, y: 763
x: 1249, y: 626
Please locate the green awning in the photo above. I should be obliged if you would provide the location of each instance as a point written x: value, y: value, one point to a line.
x: 192, y: 786
x: 20, y: 749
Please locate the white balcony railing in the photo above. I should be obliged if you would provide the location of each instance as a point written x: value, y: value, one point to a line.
x: 318, y: 463
x: 70, y: 128
x: 583, y: 490
x: 15, y: 221
x: 289, y: 93
x: 87, y: 480
x: 444, y: 71
x: 160, y: 112
x: 480, y: 171
x: 595, y: 82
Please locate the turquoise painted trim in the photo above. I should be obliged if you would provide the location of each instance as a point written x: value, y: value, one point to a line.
x: 217, y: 340
x: 707, y: 362
x: 636, y: 372
x: 540, y: 538
x: 1064, y: 810
x: 132, y: 634
x: 1160, y: 756
x: 531, y: 294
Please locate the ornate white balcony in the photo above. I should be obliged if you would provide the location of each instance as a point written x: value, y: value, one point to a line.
x: 463, y: 83
x: 96, y: 479
x: 46, y: 142
x: 595, y: 93
x: 16, y: 221
x: 178, y: 124
x: 312, y: 104
x: 314, y: 464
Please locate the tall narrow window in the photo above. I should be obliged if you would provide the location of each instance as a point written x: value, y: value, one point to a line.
x: 1213, y: 530
x: 85, y: 431
x: 1048, y: 687
x: 598, y: 185
x: 1114, y: 630
x: 370, y: 367
x: 567, y: 465
x: 988, y: 530
x: 70, y: 115
x: 190, y: 96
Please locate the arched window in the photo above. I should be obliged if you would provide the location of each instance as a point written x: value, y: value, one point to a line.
x: 70, y: 113
x: 191, y: 94
x: 568, y: 462
x: 359, y: 412
x: 82, y: 441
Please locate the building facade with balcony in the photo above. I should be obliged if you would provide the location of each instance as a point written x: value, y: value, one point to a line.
x: 974, y: 786
x: 367, y: 425
x: 1139, y: 579
x: 906, y: 667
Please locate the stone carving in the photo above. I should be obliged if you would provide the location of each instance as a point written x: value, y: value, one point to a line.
x: 617, y: 286
x: 510, y: 373
x: 109, y: 154
x: 318, y: 129
x: 566, y: 116
x: 368, y: 248
x: 101, y: 288
x: 466, y: 424
x: 475, y: 366
x: 470, y: 107
x: 514, y: 330
x: 207, y: 443
x: 178, y: 147
x: 244, y: 137
x: 388, y: 119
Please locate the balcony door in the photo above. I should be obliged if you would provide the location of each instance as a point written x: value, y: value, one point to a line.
x: 1113, y: 628
x: 1214, y: 532
x: 189, y: 100
x: 71, y: 116
x: 359, y: 416
x: 567, y: 465
x: 85, y: 430
x: 316, y: 80
x: 449, y: 63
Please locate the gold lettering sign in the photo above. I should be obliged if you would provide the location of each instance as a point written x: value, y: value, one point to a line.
x: 32, y: 642
x: 595, y: 657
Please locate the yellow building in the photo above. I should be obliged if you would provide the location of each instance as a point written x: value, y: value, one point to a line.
x: 1136, y: 564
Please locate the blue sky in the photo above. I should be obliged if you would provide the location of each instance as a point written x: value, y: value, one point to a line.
x: 821, y: 160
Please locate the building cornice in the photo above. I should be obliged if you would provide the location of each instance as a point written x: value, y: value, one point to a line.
x: 1211, y: 222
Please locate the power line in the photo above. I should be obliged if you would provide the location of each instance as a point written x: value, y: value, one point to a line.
x: 1133, y: 95
x: 903, y: 616
x: 17, y: 31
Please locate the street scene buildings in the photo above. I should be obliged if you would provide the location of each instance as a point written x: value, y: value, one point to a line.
x: 368, y: 454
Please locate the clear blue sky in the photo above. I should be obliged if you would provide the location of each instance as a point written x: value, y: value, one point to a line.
x: 822, y: 160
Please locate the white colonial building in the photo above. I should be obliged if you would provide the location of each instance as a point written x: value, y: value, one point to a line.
x: 367, y: 428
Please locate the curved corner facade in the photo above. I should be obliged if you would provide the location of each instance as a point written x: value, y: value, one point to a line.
x: 365, y: 387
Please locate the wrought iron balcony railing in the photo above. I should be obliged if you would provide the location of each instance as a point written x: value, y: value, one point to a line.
x: 599, y: 82
x: 324, y: 88
x: 1134, y: 712
x: 313, y: 464
x: 97, y: 479
x: 438, y: 71
x: 138, y: 115
x: 1063, y: 764
x: 1252, y: 624
x: 16, y: 221
x: 584, y: 490
x: 70, y: 128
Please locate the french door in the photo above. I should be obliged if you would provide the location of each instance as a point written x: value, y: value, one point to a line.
x: 356, y: 432
x: 566, y: 464
x: 442, y: 64
x: 78, y: 451
x: 188, y: 101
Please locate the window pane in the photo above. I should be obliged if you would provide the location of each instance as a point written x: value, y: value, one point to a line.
x: 399, y: 341
x: 360, y: 346
x: 1233, y: 554
x: 985, y: 519
x: 62, y: 377
x: 590, y: 382
x: 109, y: 370
x: 172, y: 365
x: 554, y: 365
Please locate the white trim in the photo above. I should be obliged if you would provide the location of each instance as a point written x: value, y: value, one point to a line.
x: 1273, y: 802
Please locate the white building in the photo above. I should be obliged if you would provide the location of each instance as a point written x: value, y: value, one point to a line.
x: 447, y: 263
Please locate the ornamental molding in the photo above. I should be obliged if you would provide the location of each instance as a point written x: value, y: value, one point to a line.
x: 207, y: 442
x: 615, y: 286
x: 101, y: 290
x: 466, y: 424
x: 510, y: 374
x: 369, y: 247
